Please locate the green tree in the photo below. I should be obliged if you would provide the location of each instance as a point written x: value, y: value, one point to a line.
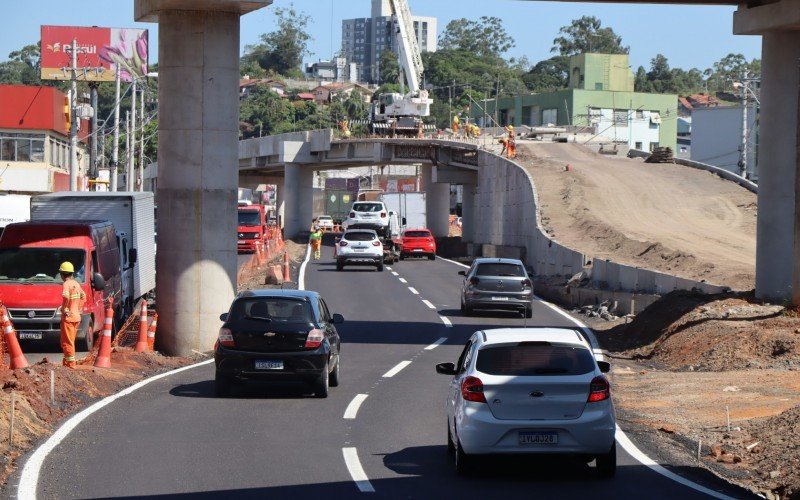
x: 548, y: 75
x: 23, y: 66
x: 729, y: 69
x: 586, y: 34
x: 282, y: 50
x: 486, y: 37
x: 389, y: 68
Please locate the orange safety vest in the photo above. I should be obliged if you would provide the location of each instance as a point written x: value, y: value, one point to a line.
x: 74, y: 298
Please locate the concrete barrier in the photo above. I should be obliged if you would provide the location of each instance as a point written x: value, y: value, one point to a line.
x: 725, y: 174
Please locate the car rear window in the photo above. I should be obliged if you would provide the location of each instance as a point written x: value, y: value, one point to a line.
x: 535, y: 358
x: 325, y: 217
x: 270, y: 309
x: 500, y: 269
x: 417, y: 234
x: 359, y: 236
x: 367, y: 207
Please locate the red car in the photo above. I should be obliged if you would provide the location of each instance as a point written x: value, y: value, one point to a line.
x: 418, y: 242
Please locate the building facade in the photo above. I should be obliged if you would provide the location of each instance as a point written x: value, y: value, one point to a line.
x: 364, y: 39
x: 600, y: 99
x: 34, y: 141
x: 717, y: 138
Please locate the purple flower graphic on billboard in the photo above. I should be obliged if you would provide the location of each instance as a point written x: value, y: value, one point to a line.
x: 127, y: 53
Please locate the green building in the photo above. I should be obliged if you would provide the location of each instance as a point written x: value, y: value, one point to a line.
x: 600, y: 99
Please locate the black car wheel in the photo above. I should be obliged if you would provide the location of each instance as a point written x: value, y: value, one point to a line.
x: 333, y: 381
x: 451, y: 447
x: 432, y: 256
x: 223, y: 386
x: 339, y: 266
x: 402, y: 257
x: 528, y: 312
x: 380, y: 267
x: 607, y: 464
x: 322, y: 383
x: 463, y: 461
x: 86, y: 337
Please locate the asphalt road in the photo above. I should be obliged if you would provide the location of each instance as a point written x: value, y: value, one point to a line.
x: 174, y: 438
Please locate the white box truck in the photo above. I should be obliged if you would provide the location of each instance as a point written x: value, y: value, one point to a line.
x: 14, y: 208
x: 409, y: 207
x: 133, y: 217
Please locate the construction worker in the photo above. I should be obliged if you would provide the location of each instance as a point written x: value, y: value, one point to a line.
x: 455, y: 125
x: 316, y: 242
x: 511, y: 145
x: 73, y: 297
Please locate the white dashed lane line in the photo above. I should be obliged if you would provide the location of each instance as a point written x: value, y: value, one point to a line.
x: 413, y: 290
x: 403, y: 280
x: 394, y: 273
x: 352, y: 409
x: 394, y: 371
x: 446, y: 321
x: 356, y: 471
x: 436, y: 344
x: 428, y: 303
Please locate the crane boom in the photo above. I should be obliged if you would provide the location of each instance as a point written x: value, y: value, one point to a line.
x: 410, y: 56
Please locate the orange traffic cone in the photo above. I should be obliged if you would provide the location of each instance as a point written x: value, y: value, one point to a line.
x: 286, y: 274
x: 151, y: 333
x: 17, y: 358
x: 103, y: 359
x: 141, y: 344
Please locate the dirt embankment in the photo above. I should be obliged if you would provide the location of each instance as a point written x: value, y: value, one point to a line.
x: 664, y: 217
x: 719, y: 373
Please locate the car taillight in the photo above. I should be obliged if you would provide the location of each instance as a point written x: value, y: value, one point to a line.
x: 383, y: 215
x: 474, y: 281
x: 314, y: 339
x: 526, y: 283
x: 599, y: 390
x: 472, y: 390
x: 376, y: 243
x: 352, y: 215
x: 226, y: 338
x: 342, y: 243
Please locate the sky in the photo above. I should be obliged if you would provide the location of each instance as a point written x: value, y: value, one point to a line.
x: 689, y: 36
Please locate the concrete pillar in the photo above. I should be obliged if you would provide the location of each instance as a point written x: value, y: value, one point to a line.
x: 198, y: 56
x: 437, y: 203
x: 299, y: 199
x: 280, y: 201
x: 468, y: 212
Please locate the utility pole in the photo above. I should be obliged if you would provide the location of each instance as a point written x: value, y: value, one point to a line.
x: 743, y: 152
x: 93, y: 148
x: 141, y: 142
x: 73, y: 127
x: 132, y: 157
x: 497, y: 102
x: 115, y: 147
x: 128, y: 154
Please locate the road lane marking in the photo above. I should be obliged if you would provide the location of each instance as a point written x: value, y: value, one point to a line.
x: 403, y: 280
x: 428, y: 303
x: 446, y: 321
x: 394, y: 273
x: 436, y: 344
x: 413, y: 290
x: 388, y: 268
x: 356, y: 471
x: 301, y: 274
x: 394, y: 371
x: 452, y: 262
x: 29, y: 479
x: 355, y: 404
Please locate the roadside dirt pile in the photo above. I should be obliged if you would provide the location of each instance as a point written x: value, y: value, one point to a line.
x: 663, y: 217
x: 254, y: 278
x: 36, y: 416
x: 685, y: 331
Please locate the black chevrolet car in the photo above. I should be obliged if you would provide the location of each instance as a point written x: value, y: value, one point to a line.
x: 278, y: 335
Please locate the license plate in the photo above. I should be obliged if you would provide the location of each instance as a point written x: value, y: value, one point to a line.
x: 499, y: 298
x: 538, y: 438
x: 269, y: 365
x: 417, y: 250
x: 31, y: 335
x: 358, y: 249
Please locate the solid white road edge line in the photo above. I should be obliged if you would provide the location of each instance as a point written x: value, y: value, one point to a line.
x: 355, y: 404
x: 446, y: 321
x: 428, y: 303
x: 622, y: 438
x: 628, y: 445
x: 436, y: 344
x: 28, y: 482
x: 356, y: 471
x: 301, y: 274
x: 402, y: 280
x: 394, y: 371
x: 413, y: 290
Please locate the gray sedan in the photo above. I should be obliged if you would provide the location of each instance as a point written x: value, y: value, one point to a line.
x: 497, y: 284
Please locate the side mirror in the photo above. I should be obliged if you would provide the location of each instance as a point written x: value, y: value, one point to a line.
x: 404, y: 221
x: 98, y: 282
x: 446, y: 368
x: 604, y: 366
x: 601, y: 357
x: 462, y: 273
x: 530, y: 271
x: 223, y: 317
x: 132, y: 255
x: 337, y: 319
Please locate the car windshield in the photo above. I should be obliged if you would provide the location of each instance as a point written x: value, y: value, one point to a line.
x: 278, y: 310
x: 535, y: 358
x: 367, y: 207
x: 499, y: 269
x: 417, y: 234
x: 249, y: 218
x: 359, y: 236
x: 39, y: 265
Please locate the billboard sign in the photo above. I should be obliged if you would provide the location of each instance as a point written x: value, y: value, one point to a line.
x: 101, y: 52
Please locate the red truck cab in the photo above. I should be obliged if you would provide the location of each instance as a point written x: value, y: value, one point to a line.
x: 252, y: 227
x: 31, y: 286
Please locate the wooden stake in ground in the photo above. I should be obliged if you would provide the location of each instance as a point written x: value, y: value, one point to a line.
x: 52, y: 387
x: 11, y: 427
